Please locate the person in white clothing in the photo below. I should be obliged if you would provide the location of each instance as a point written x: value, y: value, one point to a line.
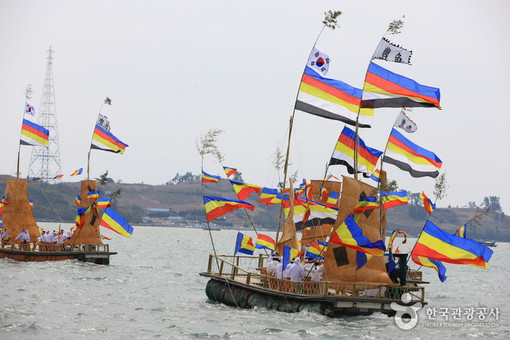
x: 296, y: 270
x: 271, y: 266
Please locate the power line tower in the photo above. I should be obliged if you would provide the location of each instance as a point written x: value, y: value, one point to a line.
x: 45, y: 160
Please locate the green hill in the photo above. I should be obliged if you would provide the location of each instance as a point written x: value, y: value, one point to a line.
x: 55, y: 202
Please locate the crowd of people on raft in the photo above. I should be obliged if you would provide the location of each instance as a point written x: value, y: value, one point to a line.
x: 296, y: 270
x: 46, y: 240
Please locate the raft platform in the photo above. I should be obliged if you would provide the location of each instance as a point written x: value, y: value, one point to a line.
x: 95, y: 253
x: 241, y: 281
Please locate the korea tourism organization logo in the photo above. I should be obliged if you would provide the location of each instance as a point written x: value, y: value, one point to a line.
x: 406, y: 316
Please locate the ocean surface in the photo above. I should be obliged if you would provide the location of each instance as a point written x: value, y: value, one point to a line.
x: 152, y: 290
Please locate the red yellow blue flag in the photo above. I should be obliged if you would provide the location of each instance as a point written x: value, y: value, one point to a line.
x: 244, y: 244
x: 431, y: 263
x: 332, y: 99
x: 435, y: 244
x: 267, y: 195
x: 407, y: 156
x: 394, y: 235
x: 367, y: 203
x: 384, y: 88
x: 376, y: 176
x: 103, y: 139
x: 350, y: 235
x: 314, y: 251
x: 77, y: 172
x: 93, y: 195
x: 462, y: 231
x: 332, y: 201
x: 103, y: 203
x: 391, y: 199
x: 33, y: 134
x: 264, y: 242
x: 427, y: 203
x: 115, y: 222
x: 361, y: 259
x: 219, y: 206
x: 243, y: 190
x: 344, y: 153
x: 289, y: 254
x: 229, y: 171
x: 207, y: 178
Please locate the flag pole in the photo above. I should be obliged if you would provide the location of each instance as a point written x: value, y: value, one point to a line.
x: 28, y: 95
x: 331, y: 22
x: 106, y: 101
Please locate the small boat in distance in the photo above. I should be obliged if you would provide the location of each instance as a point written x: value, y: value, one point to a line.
x: 84, y: 245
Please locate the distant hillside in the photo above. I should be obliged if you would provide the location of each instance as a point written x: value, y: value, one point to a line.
x: 185, y: 200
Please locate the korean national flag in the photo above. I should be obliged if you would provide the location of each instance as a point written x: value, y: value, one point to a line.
x: 319, y: 61
x: 29, y: 109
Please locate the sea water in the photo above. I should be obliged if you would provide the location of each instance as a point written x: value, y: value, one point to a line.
x: 152, y: 289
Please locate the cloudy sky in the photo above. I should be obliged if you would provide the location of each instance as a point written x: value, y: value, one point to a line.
x: 175, y: 69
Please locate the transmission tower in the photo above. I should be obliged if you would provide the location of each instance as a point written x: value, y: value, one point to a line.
x: 45, y: 160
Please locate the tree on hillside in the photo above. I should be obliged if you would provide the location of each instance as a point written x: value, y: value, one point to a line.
x: 414, y: 198
x: 188, y: 177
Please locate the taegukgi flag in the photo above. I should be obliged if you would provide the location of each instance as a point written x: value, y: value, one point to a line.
x: 318, y: 61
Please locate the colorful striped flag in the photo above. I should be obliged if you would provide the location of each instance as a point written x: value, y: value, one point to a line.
x: 332, y: 201
x: 267, y: 195
x: 427, y: 203
x: 361, y: 259
x: 410, y: 157
x: 289, y: 254
x: 77, y: 172
x: 115, y: 222
x: 367, y: 203
x: 103, y: 203
x: 105, y: 238
x: 391, y: 199
x: 229, y: 171
x: 320, y: 214
x: 77, y: 201
x: 244, y: 244
x: 243, y: 190
x: 58, y: 176
x: 344, y: 153
x: 350, y: 235
x: 331, y: 99
x: 314, y: 251
x: 376, y: 175
x: 324, y: 194
x: 264, y: 242
x: 31, y: 203
x: 33, y: 134
x: 206, y: 178
x: 219, y: 206
x: 106, y: 141
x: 431, y: 263
x: 93, y: 195
x: 394, y: 235
x: 435, y: 244
x: 462, y: 231
x: 384, y: 88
